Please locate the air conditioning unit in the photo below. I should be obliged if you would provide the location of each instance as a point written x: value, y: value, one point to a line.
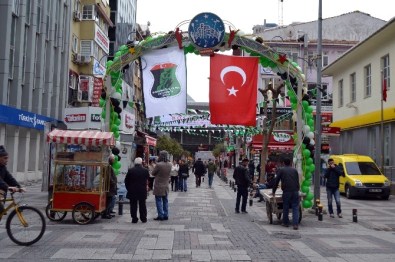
x: 77, y: 58
x: 77, y: 15
x: 85, y: 59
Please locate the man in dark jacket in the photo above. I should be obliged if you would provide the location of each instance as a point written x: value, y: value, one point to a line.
x: 289, y: 178
x: 243, y: 181
x: 199, y: 170
x: 332, y: 174
x: 136, y: 181
x: 7, y: 181
x: 112, y: 191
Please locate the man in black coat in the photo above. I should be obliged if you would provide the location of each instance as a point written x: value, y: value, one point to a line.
x: 136, y: 184
x: 332, y: 175
x: 199, y: 169
x: 243, y: 182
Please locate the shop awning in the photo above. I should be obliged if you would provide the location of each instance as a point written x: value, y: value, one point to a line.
x: 85, y: 137
x: 279, y: 141
x: 150, y: 140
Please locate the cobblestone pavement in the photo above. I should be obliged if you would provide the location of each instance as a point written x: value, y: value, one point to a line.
x: 204, y: 227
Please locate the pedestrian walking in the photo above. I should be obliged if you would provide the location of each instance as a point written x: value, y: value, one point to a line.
x: 136, y: 181
x: 174, y: 176
x: 198, y: 169
x: 161, y: 173
x: 211, y: 169
x: 183, y: 174
x: 243, y: 182
x: 332, y: 174
x: 289, y: 178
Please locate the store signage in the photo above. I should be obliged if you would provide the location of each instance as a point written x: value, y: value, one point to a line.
x: 95, y: 117
x: 98, y: 69
x: 101, y: 39
x: 127, y: 122
x: 79, y: 118
x: 281, y: 137
x: 17, y: 117
x: 75, y: 118
x: 330, y: 131
x: 97, y: 87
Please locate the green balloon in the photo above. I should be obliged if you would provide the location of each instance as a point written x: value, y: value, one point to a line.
x: 103, y: 114
x: 116, y: 172
x: 114, y: 114
x: 310, y: 123
x: 294, y: 106
x: 102, y: 102
x: 305, y: 104
x: 123, y: 47
x: 116, y: 134
x: 307, y: 174
x: 310, y: 109
x: 117, y: 165
x: 118, y: 53
x: 305, y: 189
x: 109, y: 63
x: 312, y: 167
x: 309, y: 161
x: 309, y: 196
x: 306, y: 183
x: 117, y: 121
x: 306, y: 153
x: 307, y: 203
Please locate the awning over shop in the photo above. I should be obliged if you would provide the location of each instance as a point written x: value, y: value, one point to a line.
x: 85, y: 137
x: 279, y: 141
x: 150, y: 140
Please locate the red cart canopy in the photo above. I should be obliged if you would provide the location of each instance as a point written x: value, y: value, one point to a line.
x: 85, y: 137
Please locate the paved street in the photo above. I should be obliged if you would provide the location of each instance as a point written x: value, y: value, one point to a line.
x: 203, y: 227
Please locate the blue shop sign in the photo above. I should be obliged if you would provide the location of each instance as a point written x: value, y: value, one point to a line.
x: 17, y: 117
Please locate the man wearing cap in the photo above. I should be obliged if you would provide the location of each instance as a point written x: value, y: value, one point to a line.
x: 243, y: 181
x: 136, y: 184
x: 7, y: 181
x: 161, y: 173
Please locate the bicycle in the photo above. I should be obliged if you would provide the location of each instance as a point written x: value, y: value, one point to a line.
x: 25, y: 225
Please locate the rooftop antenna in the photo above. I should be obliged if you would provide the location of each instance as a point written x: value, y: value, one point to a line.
x: 280, y: 12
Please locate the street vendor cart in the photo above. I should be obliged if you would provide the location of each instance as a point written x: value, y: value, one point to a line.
x: 274, y: 204
x: 81, y: 174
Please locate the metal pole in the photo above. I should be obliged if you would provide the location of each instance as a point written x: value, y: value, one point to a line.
x: 317, y: 151
x: 382, y: 122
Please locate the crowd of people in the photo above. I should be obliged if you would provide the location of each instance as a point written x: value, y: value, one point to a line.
x: 158, y: 175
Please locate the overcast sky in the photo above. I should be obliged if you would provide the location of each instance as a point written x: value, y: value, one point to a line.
x: 165, y: 16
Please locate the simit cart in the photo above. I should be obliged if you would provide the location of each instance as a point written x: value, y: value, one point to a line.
x: 274, y: 204
x: 80, y: 174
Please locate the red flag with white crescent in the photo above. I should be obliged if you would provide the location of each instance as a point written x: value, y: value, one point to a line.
x: 233, y: 90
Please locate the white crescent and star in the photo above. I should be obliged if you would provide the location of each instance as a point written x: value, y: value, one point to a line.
x: 232, y: 91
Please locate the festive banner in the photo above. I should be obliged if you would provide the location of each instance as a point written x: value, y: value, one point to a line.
x: 233, y: 90
x: 164, y: 82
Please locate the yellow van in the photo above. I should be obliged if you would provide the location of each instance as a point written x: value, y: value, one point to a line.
x: 362, y: 177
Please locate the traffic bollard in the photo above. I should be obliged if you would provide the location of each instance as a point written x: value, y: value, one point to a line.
x: 317, y: 203
x: 354, y: 215
x: 320, y: 207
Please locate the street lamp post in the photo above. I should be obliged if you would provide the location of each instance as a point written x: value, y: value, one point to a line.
x: 317, y: 151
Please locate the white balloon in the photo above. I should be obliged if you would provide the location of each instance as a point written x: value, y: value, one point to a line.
x: 116, y: 95
x: 310, y: 135
x: 118, y: 144
x: 312, y: 142
x: 306, y: 129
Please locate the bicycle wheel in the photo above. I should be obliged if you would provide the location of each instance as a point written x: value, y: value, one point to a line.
x: 25, y: 227
x: 54, y: 215
x: 83, y: 213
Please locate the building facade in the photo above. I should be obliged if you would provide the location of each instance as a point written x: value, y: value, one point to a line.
x: 34, y: 61
x: 367, y: 123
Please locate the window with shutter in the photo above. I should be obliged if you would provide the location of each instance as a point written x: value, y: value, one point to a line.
x: 86, y: 47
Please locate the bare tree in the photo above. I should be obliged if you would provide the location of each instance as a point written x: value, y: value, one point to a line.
x: 267, y: 131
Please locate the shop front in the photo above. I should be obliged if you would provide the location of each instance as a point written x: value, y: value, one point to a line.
x: 280, y: 145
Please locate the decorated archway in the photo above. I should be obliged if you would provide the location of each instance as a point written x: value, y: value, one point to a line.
x: 192, y: 42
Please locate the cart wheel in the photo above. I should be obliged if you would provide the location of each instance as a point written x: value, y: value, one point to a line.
x: 279, y: 216
x: 300, y: 214
x: 269, y: 212
x: 54, y: 215
x: 83, y: 213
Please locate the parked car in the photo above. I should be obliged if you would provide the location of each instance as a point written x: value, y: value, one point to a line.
x: 362, y: 177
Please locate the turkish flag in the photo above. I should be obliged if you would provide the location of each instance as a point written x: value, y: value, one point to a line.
x: 233, y: 90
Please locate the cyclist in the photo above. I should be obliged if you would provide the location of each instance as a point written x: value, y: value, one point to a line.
x: 7, y: 181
